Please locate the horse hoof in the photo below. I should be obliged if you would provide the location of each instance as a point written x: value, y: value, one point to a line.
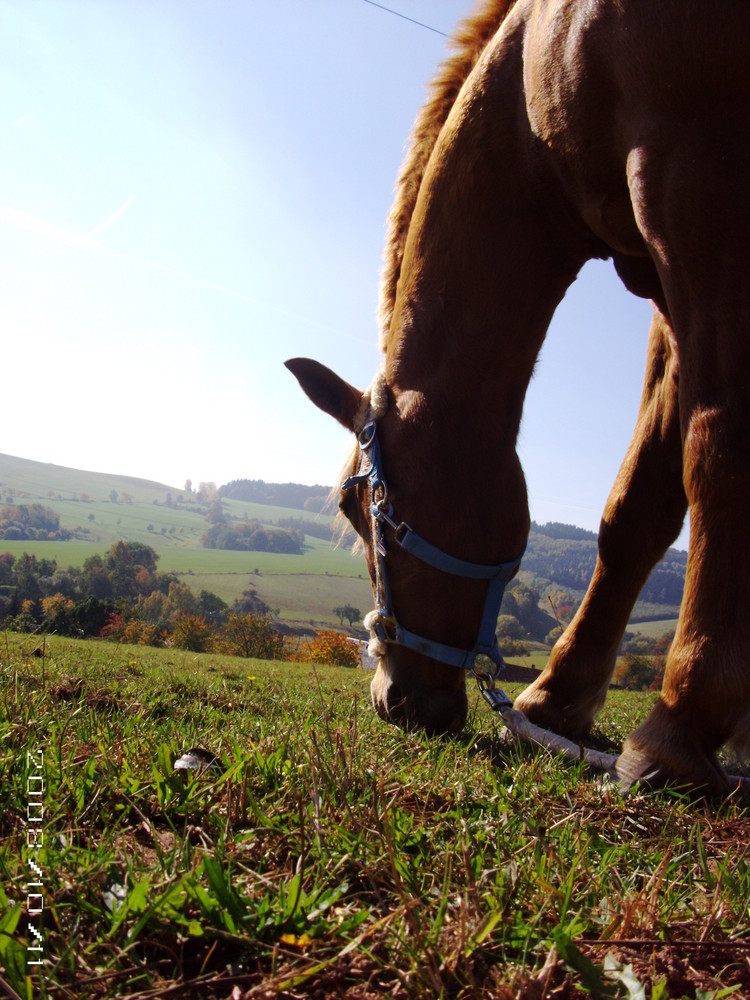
x: 634, y: 770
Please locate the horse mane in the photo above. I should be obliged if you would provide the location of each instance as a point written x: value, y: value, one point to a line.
x: 469, y: 42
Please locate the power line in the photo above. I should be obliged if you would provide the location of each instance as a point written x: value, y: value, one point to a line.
x: 405, y: 18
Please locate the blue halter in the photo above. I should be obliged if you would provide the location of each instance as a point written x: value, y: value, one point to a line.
x: 497, y: 577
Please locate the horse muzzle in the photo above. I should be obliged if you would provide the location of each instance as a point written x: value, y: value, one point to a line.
x: 419, y: 700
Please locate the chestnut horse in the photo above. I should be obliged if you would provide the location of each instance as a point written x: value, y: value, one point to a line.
x: 559, y: 131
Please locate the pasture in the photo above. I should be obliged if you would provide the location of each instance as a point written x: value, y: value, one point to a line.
x: 655, y: 629
x: 329, y: 855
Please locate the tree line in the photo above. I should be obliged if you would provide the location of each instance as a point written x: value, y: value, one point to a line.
x: 122, y: 596
x: 567, y: 555
x: 293, y: 495
x: 31, y: 522
x: 252, y: 536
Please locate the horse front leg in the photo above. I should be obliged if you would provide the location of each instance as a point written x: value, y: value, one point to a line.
x: 643, y: 516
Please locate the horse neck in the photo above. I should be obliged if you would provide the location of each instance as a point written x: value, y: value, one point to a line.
x: 489, y: 252
x: 458, y: 380
x: 485, y: 265
x: 470, y: 319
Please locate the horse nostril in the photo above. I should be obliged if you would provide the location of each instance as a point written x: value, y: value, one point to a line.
x: 395, y: 703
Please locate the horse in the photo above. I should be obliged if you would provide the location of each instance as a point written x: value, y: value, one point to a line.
x: 559, y: 131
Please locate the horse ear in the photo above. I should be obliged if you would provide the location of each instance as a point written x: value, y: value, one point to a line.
x: 329, y: 392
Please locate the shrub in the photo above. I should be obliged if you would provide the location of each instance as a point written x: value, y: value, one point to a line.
x: 635, y: 673
x: 251, y: 636
x: 114, y: 627
x: 57, y: 614
x: 137, y: 632
x: 134, y: 631
x: 192, y: 632
x: 23, y: 622
x: 512, y: 647
x: 334, y: 649
x: 90, y: 616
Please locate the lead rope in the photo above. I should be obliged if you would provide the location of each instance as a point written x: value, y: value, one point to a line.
x: 524, y: 730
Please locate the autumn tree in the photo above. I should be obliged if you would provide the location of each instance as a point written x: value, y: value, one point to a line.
x: 207, y: 492
x: 7, y: 559
x: 152, y: 608
x: 216, y: 513
x: 192, y: 632
x: 249, y: 603
x: 635, y: 673
x: 131, y: 567
x: 180, y: 601
x: 509, y: 627
x: 56, y: 610
x: 89, y: 616
x: 251, y: 636
x: 212, y: 607
x: 29, y: 572
x: 95, y: 578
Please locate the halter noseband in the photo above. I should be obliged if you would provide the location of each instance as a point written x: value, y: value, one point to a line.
x: 382, y: 514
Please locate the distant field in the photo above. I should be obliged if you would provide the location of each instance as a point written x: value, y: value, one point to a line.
x: 301, y: 597
x: 303, y: 587
x: 653, y: 630
x: 536, y: 660
x: 101, y: 509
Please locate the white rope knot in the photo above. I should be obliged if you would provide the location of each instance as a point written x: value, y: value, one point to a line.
x: 374, y: 402
x: 375, y: 647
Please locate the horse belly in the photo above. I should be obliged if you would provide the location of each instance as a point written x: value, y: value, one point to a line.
x: 604, y: 78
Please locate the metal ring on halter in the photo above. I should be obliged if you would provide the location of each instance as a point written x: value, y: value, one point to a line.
x: 367, y: 435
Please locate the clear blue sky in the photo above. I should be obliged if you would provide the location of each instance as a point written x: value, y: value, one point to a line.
x: 192, y: 191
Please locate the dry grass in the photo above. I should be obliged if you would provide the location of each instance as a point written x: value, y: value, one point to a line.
x: 331, y: 856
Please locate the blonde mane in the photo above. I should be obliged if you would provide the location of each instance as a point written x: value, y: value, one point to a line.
x: 469, y: 42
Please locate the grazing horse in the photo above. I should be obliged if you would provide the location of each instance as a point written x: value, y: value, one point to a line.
x: 557, y: 132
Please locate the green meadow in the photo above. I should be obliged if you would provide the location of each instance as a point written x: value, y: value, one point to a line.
x: 326, y: 854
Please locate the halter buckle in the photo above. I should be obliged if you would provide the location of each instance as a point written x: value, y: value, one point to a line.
x: 495, y: 697
x: 379, y: 627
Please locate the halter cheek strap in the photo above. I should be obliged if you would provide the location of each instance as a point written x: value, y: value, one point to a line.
x: 384, y: 623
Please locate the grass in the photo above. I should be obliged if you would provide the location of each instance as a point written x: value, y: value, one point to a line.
x: 329, y: 855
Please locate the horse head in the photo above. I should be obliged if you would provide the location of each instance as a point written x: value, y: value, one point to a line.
x: 435, y: 612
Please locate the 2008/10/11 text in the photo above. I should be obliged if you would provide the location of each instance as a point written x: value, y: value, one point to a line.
x: 34, y: 843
